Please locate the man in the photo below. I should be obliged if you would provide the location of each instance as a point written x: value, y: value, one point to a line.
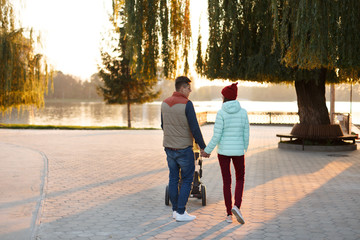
x: 180, y: 126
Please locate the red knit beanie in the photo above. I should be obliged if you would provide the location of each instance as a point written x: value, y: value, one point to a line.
x: 230, y: 92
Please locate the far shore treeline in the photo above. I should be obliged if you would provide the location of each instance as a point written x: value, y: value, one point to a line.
x: 69, y: 87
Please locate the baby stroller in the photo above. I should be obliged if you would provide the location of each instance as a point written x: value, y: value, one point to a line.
x: 198, y: 190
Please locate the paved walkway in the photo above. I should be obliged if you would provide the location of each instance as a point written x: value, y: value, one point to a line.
x: 110, y: 185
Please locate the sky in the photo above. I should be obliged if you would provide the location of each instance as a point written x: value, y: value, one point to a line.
x: 72, y: 30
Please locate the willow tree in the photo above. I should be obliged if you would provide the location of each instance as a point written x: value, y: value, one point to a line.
x: 158, y: 36
x: 151, y: 33
x: 121, y: 84
x: 23, y: 73
x: 305, y: 42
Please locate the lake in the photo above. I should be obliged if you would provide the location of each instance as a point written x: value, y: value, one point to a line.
x: 148, y: 115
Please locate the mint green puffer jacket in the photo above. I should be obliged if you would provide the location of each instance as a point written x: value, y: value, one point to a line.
x: 231, y: 130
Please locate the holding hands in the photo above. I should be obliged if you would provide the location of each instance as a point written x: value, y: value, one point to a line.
x: 204, y: 154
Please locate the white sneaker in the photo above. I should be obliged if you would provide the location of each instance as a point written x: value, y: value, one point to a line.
x: 228, y: 219
x: 184, y: 217
x: 236, y: 211
x: 174, y: 214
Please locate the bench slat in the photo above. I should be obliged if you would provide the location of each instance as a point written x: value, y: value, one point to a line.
x: 344, y: 137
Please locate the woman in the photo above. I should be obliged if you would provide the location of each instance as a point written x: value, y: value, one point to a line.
x: 231, y: 135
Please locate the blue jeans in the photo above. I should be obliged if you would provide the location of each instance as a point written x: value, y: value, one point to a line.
x: 183, y: 160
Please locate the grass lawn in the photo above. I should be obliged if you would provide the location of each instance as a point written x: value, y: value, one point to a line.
x: 27, y: 126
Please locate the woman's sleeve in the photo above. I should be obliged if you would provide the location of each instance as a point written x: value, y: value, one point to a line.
x: 218, y: 130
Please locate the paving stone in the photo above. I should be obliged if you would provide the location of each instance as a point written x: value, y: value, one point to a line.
x: 111, y: 185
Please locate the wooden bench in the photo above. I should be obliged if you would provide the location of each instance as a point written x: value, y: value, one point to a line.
x: 344, y: 137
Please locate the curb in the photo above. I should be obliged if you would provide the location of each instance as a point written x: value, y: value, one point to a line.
x: 39, y: 206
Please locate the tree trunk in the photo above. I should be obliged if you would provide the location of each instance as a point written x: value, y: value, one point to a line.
x: 332, y: 103
x: 129, y: 114
x: 311, y: 101
x: 313, y: 112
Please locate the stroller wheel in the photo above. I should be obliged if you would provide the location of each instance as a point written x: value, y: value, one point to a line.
x: 167, y: 197
x: 203, y: 195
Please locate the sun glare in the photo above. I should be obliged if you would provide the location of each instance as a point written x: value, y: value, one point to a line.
x: 70, y: 31
x: 71, y: 34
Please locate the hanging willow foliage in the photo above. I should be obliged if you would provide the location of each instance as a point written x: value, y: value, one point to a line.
x: 152, y: 25
x: 240, y: 41
x: 281, y: 40
x: 325, y: 33
x: 23, y: 74
x: 199, y: 60
x: 122, y: 83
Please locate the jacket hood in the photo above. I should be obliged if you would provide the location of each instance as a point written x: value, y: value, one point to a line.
x: 231, y: 106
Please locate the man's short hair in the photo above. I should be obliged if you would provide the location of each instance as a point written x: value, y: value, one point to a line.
x: 181, y: 81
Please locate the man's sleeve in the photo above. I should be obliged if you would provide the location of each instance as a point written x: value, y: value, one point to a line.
x: 194, y: 125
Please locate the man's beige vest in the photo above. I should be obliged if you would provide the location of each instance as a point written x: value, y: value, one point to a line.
x: 176, y: 128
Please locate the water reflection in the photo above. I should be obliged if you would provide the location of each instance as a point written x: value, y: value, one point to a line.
x: 144, y: 115
x: 87, y: 114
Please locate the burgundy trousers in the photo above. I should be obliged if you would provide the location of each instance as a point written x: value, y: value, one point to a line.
x: 239, y: 165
